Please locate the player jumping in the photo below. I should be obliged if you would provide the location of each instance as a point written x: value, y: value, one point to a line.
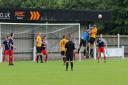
x: 101, y: 44
x: 62, y: 43
x: 84, y: 41
x: 93, y: 34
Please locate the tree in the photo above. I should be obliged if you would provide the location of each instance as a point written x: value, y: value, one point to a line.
x: 119, y: 9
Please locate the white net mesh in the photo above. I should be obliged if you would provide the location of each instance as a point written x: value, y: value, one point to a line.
x: 25, y: 34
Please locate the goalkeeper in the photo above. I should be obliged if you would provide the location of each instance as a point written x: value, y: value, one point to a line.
x: 84, y: 41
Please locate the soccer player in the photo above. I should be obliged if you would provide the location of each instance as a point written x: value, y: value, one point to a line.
x: 70, y: 47
x: 44, y: 51
x: 101, y: 44
x: 93, y: 34
x: 72, y: 38
x: 12, y: 47
x: 8, y: 49
x: 84, y: 41
x: 62, y: 43
x: 5, y: 46
x: 39, y: 47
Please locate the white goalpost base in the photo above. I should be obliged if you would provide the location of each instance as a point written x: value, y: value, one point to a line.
x: 0, y: 46
x: 1, y: 55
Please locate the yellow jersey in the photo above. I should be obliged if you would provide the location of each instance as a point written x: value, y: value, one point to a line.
x: 93, y: 32
x: 38, y: 41
x: 62, y: 44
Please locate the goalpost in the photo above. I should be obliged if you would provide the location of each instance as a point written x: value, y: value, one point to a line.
x: 25, y: 35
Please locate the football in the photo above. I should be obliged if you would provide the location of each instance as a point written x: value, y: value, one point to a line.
x: 100, y: 16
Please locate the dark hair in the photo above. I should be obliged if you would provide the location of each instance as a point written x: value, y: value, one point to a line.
x: 11, y: 34
x: 64, y: 36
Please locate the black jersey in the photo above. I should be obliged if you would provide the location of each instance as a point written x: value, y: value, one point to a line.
x: 101, y: 42
x: 70, y: 47
x: 6, y: 44
x: 44, y: 44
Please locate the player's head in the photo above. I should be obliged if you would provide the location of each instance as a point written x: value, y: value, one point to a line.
x: 101, y: 35
x: 70, y: 37
x: 9, y: 37
x: 38, y: 33
x: 94, y: 25
x: 85, y: 29
x: 6, y: 38
x: 44, y: 37
x: 64, y: 37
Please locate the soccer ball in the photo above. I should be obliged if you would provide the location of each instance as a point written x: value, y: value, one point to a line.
x: 100, y: 16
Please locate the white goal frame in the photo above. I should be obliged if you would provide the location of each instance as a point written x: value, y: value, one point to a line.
x: 39, y: 24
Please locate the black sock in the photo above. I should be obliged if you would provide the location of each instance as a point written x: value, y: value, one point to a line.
x: 71, y: 65
x: 91, y: 52
x: 79, y: 49
x: 66, y: 66
x: 87, y: 49
x: 41, y: 58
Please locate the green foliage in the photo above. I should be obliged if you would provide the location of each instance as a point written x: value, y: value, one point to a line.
x: 119, y: 8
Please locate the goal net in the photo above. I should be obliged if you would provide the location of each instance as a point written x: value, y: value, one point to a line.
x: 25, y: 35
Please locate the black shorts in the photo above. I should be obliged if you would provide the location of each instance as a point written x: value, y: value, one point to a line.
x: 38, y: 49
x: 92, y: 40
x: 69, y: 57
x: 83, y: 42
x: 62, y: 53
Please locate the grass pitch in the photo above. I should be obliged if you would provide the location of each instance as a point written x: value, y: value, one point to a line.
x: 87, y: 72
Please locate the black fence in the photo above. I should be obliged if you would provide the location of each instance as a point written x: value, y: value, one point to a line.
x: 52, y: 15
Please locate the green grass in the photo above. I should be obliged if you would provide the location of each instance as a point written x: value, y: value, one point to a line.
x: 87, y: 72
